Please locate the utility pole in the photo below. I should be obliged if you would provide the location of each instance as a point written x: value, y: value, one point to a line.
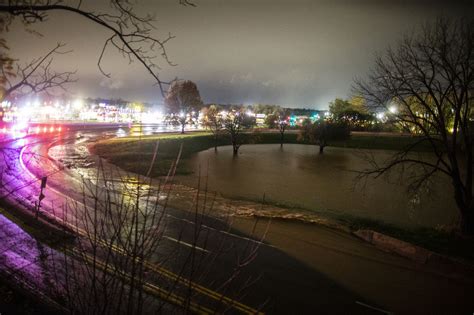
x: 41, y: 195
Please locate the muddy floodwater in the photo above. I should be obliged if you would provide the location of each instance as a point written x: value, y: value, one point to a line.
x: 298, y: 176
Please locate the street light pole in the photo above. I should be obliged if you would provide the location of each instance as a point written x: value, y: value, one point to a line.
x: 41, y: 195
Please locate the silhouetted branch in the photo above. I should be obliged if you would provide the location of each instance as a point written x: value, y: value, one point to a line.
x: 37, y: 75
x: 130, y: 32
x: 429, y: 81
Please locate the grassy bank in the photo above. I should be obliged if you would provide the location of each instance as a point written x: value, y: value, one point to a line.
x: 135, y: 155
x: 436, y: 240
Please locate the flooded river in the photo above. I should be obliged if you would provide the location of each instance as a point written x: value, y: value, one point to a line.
x: 298, y: 176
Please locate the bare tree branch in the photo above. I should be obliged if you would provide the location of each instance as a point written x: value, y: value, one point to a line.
x: 130, y: 32
x: 37, y: 75
x: 429, y: 78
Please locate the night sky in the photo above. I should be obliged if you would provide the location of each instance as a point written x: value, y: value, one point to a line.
x: 297, y: 53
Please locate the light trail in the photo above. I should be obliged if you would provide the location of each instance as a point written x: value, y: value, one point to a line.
x: 156, y: 268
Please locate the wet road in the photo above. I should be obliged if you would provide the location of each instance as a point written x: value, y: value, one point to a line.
x: 300, y: 268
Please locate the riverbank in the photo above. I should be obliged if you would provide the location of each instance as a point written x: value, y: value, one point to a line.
x: 439, y: 241
x: 135, y: 156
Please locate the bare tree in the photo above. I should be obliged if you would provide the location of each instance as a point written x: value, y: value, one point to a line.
x: 214, y: 121
x: 130, y: 32
x: 236, y: 121
x: 427, y: 83
x: 6, y: 64
x: 279, y: 119
x: 34, y: 77
x: 182, y: 102
x: 122, y: 258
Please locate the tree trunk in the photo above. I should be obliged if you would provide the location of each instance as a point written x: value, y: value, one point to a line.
x: 466, y: 208
x: 467, y: 222
x: 215, y: 142
x: 235, y: 147
x: 182, y: 128
x: 322, y: 145
x: 282, y: 135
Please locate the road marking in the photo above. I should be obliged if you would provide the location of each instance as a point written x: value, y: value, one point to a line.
x: 174, y: 277
x: 168, y: 215
x: 196, y: 287
x: 150, y: 288
x: 222, y: 231
x: 168, y: 274
x: 67, y: 197
x: 374, y: 308
x: 185, y: 244
x: 23, y: 164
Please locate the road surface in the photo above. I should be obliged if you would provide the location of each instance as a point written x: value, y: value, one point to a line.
x: 298, y: 268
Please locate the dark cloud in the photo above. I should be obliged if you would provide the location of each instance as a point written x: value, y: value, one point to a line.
x: 294, y: 52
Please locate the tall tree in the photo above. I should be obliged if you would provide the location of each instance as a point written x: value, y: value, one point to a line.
x: 214, y: 121
x: 338, y: 107
x: 279, y: 119
x: 265, y: 109
x: 352, y: 112
x: 322, y: 132
x: 182, y: 102
x: 235, y: 123
x: 427, y: 83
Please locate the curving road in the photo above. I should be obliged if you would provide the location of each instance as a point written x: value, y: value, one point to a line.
x: 299, y: 268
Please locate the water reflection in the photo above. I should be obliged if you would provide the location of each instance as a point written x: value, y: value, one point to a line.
x: 121, y: 132
x: 298, y: 176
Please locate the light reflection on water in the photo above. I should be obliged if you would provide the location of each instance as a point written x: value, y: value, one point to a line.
x: 121, y: 132
x: 299, y: 176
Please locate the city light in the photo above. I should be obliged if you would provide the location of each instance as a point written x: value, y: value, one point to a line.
x: 37, y: 110
x: 77, y: 104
